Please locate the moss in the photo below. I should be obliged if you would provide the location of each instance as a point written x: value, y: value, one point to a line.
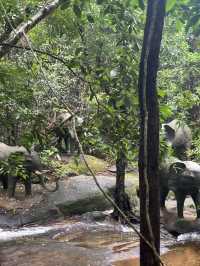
x: 133, y: 177
x: 76, y: 166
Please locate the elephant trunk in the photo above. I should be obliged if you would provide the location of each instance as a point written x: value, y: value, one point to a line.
x: 42, y: 182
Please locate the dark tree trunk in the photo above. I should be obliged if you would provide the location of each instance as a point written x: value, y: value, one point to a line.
x: 121, y: 198
x: 149, y: 133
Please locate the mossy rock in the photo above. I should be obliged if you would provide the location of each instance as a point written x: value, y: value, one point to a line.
x: 76, y: 166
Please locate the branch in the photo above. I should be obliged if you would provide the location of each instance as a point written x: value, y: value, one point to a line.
x: 24, y: 27
x: 8, y: 27
x: 54, y: 56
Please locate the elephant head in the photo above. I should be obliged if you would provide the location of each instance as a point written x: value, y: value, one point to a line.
x: 179, y: 136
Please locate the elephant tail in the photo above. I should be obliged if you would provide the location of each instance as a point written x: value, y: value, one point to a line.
x: 43, y: 184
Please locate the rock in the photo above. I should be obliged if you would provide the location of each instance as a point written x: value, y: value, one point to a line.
x: 76, y: 195
x: 183, y: 226
x: 36, y: 214
x: 112, y: 169
x: 80, y: 194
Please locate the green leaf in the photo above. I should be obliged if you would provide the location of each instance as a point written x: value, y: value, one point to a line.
x: 161, y: 93
x: 170, y: 4
x: 179, y: 25
x: 165, y: 111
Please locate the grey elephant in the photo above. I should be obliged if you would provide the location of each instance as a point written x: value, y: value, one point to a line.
x: 179, y: 136
x: 183, y: 178
x: 31, y: 164
x: 62, y: 127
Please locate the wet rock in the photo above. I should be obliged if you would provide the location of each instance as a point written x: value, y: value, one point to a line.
x: 183, y: 226
x: 95, y: 216
x: 36, y: 214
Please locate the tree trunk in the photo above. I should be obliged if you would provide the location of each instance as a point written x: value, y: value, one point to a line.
x: 121, y: 198
x: 149, y: 134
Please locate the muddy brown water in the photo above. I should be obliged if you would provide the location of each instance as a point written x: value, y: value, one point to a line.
x: 81, y: 242
x: 186, y: 255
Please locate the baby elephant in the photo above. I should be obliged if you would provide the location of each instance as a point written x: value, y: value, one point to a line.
x: 183, y: 178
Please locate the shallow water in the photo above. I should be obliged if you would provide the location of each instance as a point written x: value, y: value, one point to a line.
x: 68, y: 243
x: 85, y: 242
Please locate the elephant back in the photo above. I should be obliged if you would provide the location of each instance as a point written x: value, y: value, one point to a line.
x: 6, y: 150
x: 184, y: 175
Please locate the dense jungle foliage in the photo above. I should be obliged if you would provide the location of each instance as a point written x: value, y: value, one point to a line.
x: 95, y: 62
x: 85, y: 56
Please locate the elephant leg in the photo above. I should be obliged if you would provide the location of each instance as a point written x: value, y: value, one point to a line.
x: 27, y: 184
x: 163, y: 194
x: 59, y: 137
x: 67, y: 143
x: 4, y: 179
x: 72, y: 145
x: 196, y: 198
x: 180, y: 198
x: 76, y: 147
x: 59, y: 143
x: 12, y: 181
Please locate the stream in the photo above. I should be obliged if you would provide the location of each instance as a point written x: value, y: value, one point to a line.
x: 84, y: 241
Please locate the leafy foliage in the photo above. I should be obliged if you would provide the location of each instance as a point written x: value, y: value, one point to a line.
x: 14, y: 166
x: 88, y: 61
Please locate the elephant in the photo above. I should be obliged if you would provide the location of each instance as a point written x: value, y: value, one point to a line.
x: 183, y: 178
x: 31, y: 164
x: 62, y: 127
x: 179, y: 136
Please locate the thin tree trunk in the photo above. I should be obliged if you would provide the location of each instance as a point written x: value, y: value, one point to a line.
x: 121, y: 198
x: 149, y: 134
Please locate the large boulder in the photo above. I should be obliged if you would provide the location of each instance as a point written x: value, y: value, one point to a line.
x: 80, y: 194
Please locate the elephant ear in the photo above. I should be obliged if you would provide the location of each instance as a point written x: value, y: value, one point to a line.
x: 170, y: 132
x: 177, y: 168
